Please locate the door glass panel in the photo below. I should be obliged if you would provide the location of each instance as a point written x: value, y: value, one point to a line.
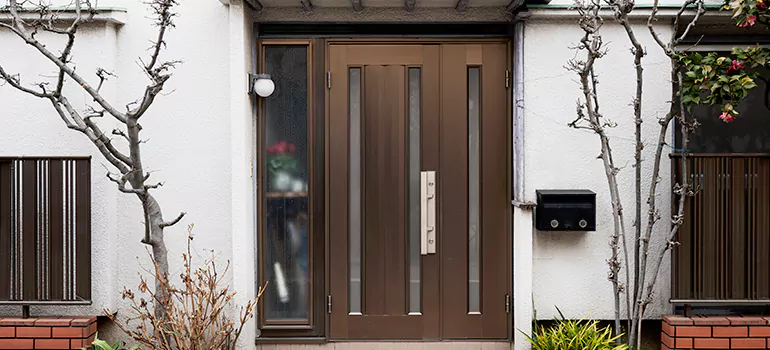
x: 286, y: 194
x: 414, y: 190
x: 354, y: 224
x: 474, y: 289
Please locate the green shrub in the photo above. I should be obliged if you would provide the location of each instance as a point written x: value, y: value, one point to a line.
x: 99, y: 344
x: 574, y: 335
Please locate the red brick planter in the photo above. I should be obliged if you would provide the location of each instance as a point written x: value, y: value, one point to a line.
x: 47, y: 332
x: 715, y: 332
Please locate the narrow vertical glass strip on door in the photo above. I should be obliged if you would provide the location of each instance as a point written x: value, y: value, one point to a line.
x: 474, y: 261
x: 414, y: 190
x: 354, y: 216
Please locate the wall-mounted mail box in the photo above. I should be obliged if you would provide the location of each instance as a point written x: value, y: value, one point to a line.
x: 565, y: 210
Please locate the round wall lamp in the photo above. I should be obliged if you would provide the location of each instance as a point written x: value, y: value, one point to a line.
x: 261, y: 84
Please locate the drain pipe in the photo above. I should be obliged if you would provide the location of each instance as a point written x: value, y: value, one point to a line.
x: 523, y: 240
x: 518, y: 113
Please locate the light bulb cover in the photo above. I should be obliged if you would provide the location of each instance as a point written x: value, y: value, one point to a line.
x: 262, y: 85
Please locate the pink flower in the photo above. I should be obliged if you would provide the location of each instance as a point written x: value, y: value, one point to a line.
x: 281, y: 148
x: 750, y: 20
x: 761, y: 4
x: 737, y: 65
x: 726, y: 117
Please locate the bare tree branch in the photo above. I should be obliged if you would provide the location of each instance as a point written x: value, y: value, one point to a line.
x: 22, y: 32
x: 15, y: 81
x: 132, y: 175
x: 158, y: 73
x: 682, y: 190
x: 622, y: 8
x: 698, y: 13
x: 589, y: 113
x: 589, y: 116
x: 102, y: 74
x: 121, y: 182
x: 120, y: 133
x: 175, y: 221
x: 152, y: 187
x: 103, y: 139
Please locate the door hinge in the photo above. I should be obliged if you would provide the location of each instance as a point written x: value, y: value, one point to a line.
x: 329, y: 80
x: 507, y: 304
x: 329, y: 304
x: 507, y: 78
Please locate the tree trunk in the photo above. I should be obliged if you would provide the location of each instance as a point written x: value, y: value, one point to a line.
x: 159, y: 252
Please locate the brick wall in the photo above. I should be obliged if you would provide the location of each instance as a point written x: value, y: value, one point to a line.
x: 47, y: 332
x: 715, y: 332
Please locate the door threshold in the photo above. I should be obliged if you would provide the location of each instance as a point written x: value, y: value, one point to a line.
x: 291, y: 340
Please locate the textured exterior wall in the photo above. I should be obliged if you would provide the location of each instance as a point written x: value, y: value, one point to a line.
x: 188, y: 131
x: 569, y: 268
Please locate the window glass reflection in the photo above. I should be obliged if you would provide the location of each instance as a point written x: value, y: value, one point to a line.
x: 285, y: 155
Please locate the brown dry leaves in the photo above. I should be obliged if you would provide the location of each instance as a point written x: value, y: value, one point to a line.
x: 196, y: 314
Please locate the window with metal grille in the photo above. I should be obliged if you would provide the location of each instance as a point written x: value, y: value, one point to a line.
x: 45, y: 230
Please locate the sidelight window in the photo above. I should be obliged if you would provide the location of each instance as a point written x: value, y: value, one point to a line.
x: 288, y: 229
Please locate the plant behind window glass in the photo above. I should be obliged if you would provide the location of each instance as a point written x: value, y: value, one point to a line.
x: 281, y: 158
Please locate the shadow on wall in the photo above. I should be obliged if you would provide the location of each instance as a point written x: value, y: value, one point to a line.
x: 561, y: 240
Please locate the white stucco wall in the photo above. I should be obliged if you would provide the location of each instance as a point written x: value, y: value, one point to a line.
x: 570, y: 269
x: 192, y: 134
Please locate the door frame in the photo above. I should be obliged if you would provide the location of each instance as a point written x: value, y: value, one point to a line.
x: 327, y: 114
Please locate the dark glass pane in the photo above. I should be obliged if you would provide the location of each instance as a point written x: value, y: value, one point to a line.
x: 354, y: 224
x: 748, y: 133
x: 474, y: 193
x: 286, y: 192
x: 415, y: 94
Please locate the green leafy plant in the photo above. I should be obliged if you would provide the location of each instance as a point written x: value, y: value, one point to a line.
x: 713, y: 79
x: 574, y: 335
x: 281, y: 158
x: 747, y: 13
x: 99, y: 344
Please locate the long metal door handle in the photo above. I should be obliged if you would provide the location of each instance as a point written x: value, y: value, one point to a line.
x: 428, y: 212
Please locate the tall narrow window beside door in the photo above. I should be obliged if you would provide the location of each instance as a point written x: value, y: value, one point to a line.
x: 286, y: 239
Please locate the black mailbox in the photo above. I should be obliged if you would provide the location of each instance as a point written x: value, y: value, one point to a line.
x: 565, y: 210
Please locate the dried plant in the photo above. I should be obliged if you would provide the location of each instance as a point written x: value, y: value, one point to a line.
x: 196, y: 314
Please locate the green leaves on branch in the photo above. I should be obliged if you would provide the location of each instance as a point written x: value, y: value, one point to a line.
x: 747, y: 13
x: 99, y: 344
x: 712, y: 79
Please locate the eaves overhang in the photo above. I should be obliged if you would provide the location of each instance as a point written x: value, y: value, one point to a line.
x: 114, y: 15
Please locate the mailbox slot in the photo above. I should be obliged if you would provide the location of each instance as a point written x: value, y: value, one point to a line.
x: 565, y: 210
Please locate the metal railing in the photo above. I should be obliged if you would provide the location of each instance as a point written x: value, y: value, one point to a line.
x: 724, y: 242
x: 45, y: 230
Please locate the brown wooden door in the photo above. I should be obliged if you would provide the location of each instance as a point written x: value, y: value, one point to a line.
x: 408, y: 260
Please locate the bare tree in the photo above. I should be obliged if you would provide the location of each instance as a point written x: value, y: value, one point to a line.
x: 639, y: 294
x: 589, y: 117
x: 129, y: 173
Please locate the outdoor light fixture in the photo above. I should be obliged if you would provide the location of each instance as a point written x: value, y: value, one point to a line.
x: 261, y: 84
